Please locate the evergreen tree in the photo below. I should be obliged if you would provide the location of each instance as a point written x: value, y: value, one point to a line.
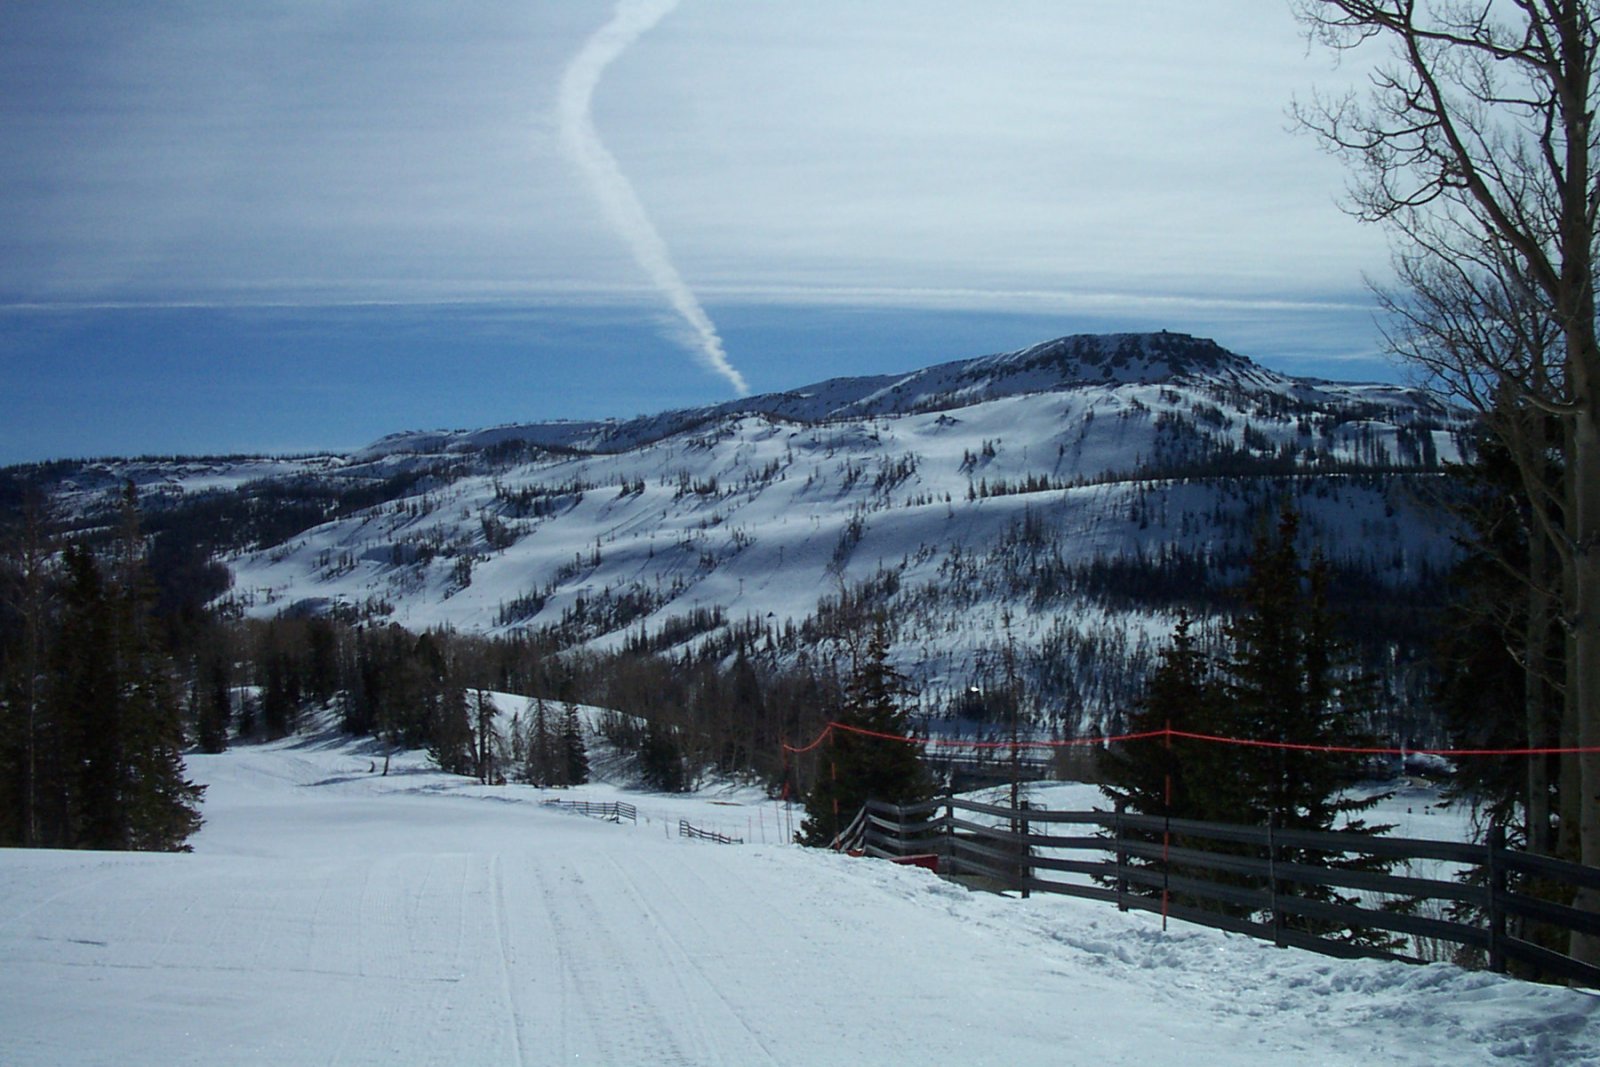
x: 161, y: 807
x: 27, y: 595
x: 1501, y: 653
x: 661, y: 761
x: 213, y: 701
x: 487, y: 756
x: 1171, y: 776
x: 539, y: 747
x: 1281, y: 678
x: 280, y: 694
x: 1285, y: 680
x: 451, y: 743
x: 860, y: 766
x: 574, y: 754
x: 1177, y: 777
x: 115, y: 726
x: 86, y: 714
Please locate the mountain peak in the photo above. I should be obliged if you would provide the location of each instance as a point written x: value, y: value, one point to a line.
x: 1123, y: 357
x: 1076, y: 360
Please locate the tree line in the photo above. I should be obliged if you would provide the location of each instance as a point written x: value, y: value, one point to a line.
x: 92, y: 737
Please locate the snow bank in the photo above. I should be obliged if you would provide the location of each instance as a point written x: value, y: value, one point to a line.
x: 333, y: 915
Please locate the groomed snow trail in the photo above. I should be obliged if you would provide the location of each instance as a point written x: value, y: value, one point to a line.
x: 334, y: 916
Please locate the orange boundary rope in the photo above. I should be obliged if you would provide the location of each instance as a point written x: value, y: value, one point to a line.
x: 1168, y: 733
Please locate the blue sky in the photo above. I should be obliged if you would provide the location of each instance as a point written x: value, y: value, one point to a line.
x: 289, y: 226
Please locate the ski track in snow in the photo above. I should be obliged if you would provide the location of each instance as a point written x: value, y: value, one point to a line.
x: 334, y: 916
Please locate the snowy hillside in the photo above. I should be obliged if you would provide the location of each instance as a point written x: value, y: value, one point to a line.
x: 1085, y: 486
x: 333, y: 915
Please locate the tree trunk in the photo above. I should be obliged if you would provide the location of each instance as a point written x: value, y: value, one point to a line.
x: 1583, y: 663
x: 1535, y: 689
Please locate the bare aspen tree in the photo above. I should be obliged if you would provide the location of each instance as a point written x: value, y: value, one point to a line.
x: 1475, y: 147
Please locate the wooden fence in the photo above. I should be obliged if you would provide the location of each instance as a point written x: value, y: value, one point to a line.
x: 1273, y: 884
x: 685, y: 830
x: 611, y: 811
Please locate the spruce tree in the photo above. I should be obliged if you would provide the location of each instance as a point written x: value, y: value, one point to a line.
x: 487, y: 741
x: 27, y: 596
x: 880, y: 764
x: 160, y: 806
x: 451, y: 743
x: 1170, y: 776
x: 661, y: 761
x: 538, y: 766
x: 213, y: 701
x: 114, y: 715
x: 1287, y: 681
x: 574, y: 754
x: 86, y: 713
x: 1281, y: 677
x: 1177, y: 777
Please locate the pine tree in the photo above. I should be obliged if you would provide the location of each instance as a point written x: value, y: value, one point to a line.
x: 538, y: 748
x: 661, y: 761
x: 1177, y: 777
x: 161, y: 807
x: 86, y: 714
x: 451, y: 743
x: 488, y: 743
x: 1171, y: 776
x: 27, y: 581
x: 574, y: 754
x: 1286, y: 680
x: 1281, y: 677
x: 213, y: 701
x: 875, y: 765
x: 114, y: 724
x: 442, y: 717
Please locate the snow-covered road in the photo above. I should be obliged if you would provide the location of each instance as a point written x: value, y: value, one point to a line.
x: 333, y: 916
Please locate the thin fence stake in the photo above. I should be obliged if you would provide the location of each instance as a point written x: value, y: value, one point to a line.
x: 1272, y: 887
x: 1495, y: 871
x: 1122, y: 859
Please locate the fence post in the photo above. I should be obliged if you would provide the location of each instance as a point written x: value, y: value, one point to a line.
x: 1122, y: 858
x: 1495, y: 877
x: 950, y: 833
x: 1023, y: 870
x: 1272, y: 886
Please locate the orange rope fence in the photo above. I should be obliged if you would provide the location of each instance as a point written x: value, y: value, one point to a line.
x: 1168, y: 733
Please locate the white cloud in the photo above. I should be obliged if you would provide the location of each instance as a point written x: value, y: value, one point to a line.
x: 409, y: 152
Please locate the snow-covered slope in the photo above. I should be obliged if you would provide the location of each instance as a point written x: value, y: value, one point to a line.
x: 1033, y: 482
x: 331, y: 915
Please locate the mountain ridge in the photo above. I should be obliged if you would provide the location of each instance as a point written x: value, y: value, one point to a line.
x: 1072, y: 360
x: 1085, y: 488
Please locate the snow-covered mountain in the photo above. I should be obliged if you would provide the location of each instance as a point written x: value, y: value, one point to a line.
x: 1062, y: 499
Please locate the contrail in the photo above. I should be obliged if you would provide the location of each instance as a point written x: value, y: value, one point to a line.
x: 611, y: 187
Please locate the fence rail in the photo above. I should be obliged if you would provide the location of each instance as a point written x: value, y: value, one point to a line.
x: 611, y: 811
x: 1266, y: 882
x: 685, y: 830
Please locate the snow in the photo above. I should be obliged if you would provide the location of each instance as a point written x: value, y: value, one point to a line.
x: 758, y: 507
x: 330, y: 914
x: 784, y: 513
